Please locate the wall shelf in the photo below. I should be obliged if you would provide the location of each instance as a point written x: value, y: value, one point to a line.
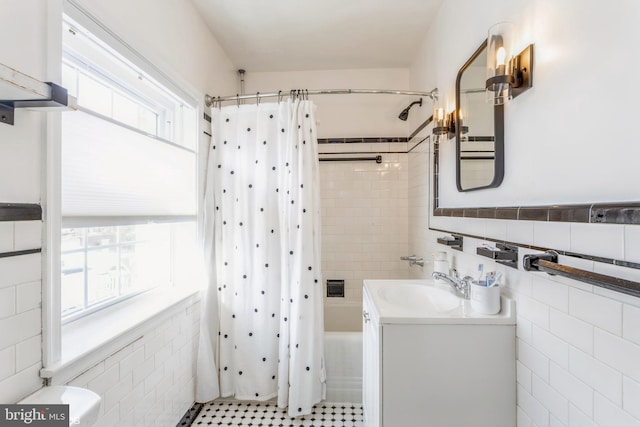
x: 502, y: 254
x: 19, y: 90
x: 454, y: 241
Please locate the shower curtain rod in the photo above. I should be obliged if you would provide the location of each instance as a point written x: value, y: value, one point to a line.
x: 210, y: 100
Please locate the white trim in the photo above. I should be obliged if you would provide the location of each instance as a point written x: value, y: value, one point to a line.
x: 51, y: 188
x: 51, y: 322
x: 81, y: 15
x: 94, y: 338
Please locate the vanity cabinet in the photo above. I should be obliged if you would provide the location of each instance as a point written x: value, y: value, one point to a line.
x: 371, y: 384
x: 437, y: 371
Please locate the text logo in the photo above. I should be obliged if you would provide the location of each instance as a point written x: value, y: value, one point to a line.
x: 34, y: 415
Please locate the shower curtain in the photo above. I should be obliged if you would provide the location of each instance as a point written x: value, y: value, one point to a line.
x: 262, y: 321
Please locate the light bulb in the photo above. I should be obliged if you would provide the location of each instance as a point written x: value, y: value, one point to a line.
x: 501, y: 55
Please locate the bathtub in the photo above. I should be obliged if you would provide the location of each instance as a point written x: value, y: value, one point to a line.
x: 343, y: 363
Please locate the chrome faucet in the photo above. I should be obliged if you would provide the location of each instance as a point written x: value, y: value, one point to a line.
x: 413, y: 260
x: 462, y: 287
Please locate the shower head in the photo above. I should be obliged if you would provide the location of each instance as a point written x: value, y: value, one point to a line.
x: 404, y: 114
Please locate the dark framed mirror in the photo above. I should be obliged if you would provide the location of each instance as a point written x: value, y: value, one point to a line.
x: 479, y: 127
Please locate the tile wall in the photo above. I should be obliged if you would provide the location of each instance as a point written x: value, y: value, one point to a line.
x: 20, y: 311
x: 364, y: 224
x: 578, y: 345
x: 150, y: 382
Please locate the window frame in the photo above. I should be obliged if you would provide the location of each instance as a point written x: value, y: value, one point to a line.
x: 90, y: 308
x: 57, y: 10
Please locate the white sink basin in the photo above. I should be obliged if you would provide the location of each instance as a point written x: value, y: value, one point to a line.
x: 419, y: 297
x: 420, y: 301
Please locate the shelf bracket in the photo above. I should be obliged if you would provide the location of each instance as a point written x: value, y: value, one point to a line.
x: 6, y: 114
x: 18, y: 90
x: 454, y: 241
x: 503, y: 254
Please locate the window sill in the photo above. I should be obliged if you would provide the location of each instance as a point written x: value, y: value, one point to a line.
x: 90, y: 340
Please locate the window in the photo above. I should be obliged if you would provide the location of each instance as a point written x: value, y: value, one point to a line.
x: 102, y: 264
x: 128, y: 179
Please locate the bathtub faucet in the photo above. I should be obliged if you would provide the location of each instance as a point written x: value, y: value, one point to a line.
x: 462, y: 287
x: 413, y: 260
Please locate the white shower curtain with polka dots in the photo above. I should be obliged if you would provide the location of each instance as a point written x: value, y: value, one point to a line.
x: 262, y: 328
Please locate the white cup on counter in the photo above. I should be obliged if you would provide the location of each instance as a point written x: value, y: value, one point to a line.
x: 485, y: 300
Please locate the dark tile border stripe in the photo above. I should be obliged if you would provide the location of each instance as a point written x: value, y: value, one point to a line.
x: 363, y: 140
x: 18, y: 253
x: 20, y: 212
x: 597, y: 213
x: 190, y: 415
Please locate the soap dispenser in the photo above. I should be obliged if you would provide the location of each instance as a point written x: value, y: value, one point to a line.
x: 440, y: 265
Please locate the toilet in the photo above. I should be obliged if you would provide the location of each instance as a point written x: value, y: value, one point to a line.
x: 84, y: 404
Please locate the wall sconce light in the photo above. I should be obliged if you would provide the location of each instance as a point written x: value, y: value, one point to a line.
x: 451, y: 124
x: 440, y: 119
x: 508, y: 75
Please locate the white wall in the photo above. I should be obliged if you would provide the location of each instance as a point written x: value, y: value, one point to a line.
x: 349, y: 115
x: 550, y: 131
x: 577, y: 344
x: 188, y: 54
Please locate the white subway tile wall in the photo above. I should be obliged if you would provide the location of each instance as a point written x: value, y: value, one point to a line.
x: 364, y: 225
x: 6, y: 236
x: 150, y: 382
x: 27, y: 235
x: 578, y: 345
x: 20, y: 318
x: 419, y: 207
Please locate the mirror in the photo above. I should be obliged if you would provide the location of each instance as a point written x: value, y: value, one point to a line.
x: 479, y: 128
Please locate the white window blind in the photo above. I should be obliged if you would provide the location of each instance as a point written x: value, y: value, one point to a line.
x: 112, y: 174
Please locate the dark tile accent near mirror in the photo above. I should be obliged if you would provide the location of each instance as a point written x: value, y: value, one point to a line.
x: 618, y: 213
x: 506, y: 213
x: 533, y: 214
x: 569, y: 213
x: 486, y: 213
x: 20, y: 212
x: 597, y: 213
x: 363, y: 140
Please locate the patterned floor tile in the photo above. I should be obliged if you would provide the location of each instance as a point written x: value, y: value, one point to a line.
x: 267, y: 414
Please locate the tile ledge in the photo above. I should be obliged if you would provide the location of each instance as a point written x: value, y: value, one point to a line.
x: 133, y: 319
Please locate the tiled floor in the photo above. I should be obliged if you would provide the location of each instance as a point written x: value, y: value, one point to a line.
x: 267, y: 414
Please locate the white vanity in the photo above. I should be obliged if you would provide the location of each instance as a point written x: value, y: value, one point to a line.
x: 430, y: 361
